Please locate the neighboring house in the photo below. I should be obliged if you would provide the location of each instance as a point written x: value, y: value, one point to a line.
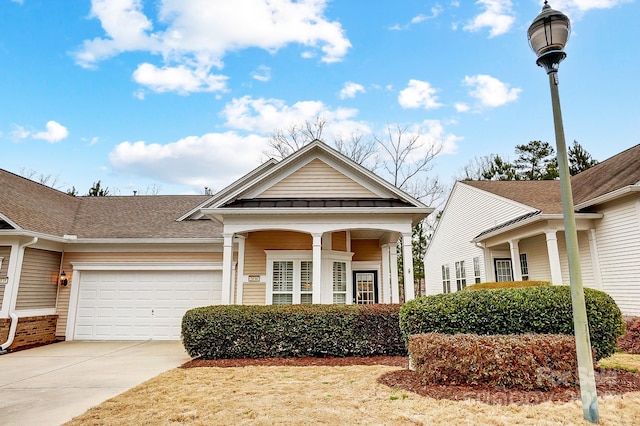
x: 514, y: 230
x: 313, y: 228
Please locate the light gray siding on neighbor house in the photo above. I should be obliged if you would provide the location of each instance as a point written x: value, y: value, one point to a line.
x: 39, y: 279
x: 476, y: 211
x: 618, y: 235
x: 537, y: 257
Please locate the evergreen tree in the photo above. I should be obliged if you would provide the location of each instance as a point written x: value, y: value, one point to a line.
x: 579, y: 159
x: 98, y: 191
x: 536, y: 161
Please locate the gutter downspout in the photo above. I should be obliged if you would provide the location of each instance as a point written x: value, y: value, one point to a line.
x: 14, y: 296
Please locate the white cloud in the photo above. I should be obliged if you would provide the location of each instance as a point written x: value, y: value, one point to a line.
x: 180, y: 79
x: 490, y: 91
x: 263, y: 73
x: 418, y: 19
x: 213, y: 159
x: 351, y: 89
x: 419, y: 94
x: 498, y: 17
x: 55, y: 132
x: 266, y: 115
x: 461, y: 107
x: 197, y: 35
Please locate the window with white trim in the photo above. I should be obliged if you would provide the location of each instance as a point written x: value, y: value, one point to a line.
x: 446, y: 279
x: 339, y: 283
x: 306, y: 282
x: 461, y: 275
x: 290, y: 278
x: 476, y: 270
x: 524, y: 266
x: 282, y: 282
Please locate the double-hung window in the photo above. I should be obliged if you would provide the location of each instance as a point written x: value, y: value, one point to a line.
x: 290, y: 279
x: 476, y: 270
x: 524, y: 266
x: 339, y: 283
x: 446, y: 279
x: 461, y: 276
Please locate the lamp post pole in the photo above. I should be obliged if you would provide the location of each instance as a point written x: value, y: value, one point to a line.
x: 548, y: 34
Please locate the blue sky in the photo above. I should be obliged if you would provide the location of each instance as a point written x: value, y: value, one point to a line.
x: 177, y: 95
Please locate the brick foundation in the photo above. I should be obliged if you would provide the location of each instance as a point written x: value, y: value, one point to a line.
x: 31, y: 331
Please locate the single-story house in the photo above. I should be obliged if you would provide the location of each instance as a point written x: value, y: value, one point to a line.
x: 514, y: 230
x: 314, y: 227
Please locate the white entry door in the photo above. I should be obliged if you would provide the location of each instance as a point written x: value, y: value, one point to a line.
x: 141, y: 305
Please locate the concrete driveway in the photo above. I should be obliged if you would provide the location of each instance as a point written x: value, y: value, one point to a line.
x: 52, y: 384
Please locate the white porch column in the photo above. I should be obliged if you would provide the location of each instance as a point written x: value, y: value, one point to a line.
x: 385, y: 279
x: 515, y: 259
x: 227, y: 266
x: 241, y: 276
x: 554, y: 257
x: 407, y: 256
x: 393, y: 263
x: 595, y: 259
x: 316, y: 296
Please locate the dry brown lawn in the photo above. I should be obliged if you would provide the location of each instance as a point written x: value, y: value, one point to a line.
x: 350, y: 395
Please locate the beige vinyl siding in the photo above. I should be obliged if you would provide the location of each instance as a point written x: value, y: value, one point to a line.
x: 255, y: 259
x: 73, y: 257
x: 468, y: 212
x: 38, y: 286
x: 339, y: 241
x: 254, y: 293
x: 318, y: 180
x: 5, y: 252
x: 366, y: 250
x: 618, y: 237
x: 537, y: 257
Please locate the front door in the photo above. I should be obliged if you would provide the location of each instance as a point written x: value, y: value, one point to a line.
x: 503, y: 270
x: 365, y: 287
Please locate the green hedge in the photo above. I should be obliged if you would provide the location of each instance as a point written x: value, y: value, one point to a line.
x: 544, y: 310
x: 506, y: 284
x: 292, y: 331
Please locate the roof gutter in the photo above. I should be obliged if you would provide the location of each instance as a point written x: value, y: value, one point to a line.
x: 16, y: 268
x: 608, y: 197
x: 533, y: 219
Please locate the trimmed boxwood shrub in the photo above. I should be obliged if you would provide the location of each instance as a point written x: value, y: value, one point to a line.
x: 523, y: 361
x: 506, y: 284
x: 292, y: 331
x: 544, y: 310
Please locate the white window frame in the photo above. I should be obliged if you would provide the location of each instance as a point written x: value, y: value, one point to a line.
x: 476, y: 270
x: 461, y: 275
x: 446, y: 279
x: 296, y: 257
x: 524, y: 266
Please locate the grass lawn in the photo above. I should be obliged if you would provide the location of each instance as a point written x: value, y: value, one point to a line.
x: 350, y: 395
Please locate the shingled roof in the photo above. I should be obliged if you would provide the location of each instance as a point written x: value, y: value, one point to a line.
x: 617, y: 172
x: 146, y: 216
x: 36, y: 207
x: 542, y: 195
x: 39, y: 208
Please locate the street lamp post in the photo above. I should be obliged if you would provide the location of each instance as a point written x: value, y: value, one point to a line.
x: 548, y: 34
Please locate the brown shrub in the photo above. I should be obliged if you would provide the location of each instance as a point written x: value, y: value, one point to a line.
x: 630, y: 341
x: 524, y: 361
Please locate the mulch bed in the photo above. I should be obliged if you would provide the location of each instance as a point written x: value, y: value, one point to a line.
x: 608, y: 382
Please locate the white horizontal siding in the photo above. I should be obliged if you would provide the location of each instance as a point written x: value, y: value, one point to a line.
x: 468, y: 212
x: 618, y: 237
x: 537, y: 257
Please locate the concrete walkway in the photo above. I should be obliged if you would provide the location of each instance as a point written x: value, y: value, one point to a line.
x: 52, y: 384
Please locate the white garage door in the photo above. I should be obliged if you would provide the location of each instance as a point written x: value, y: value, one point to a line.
x: 141, y: 305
